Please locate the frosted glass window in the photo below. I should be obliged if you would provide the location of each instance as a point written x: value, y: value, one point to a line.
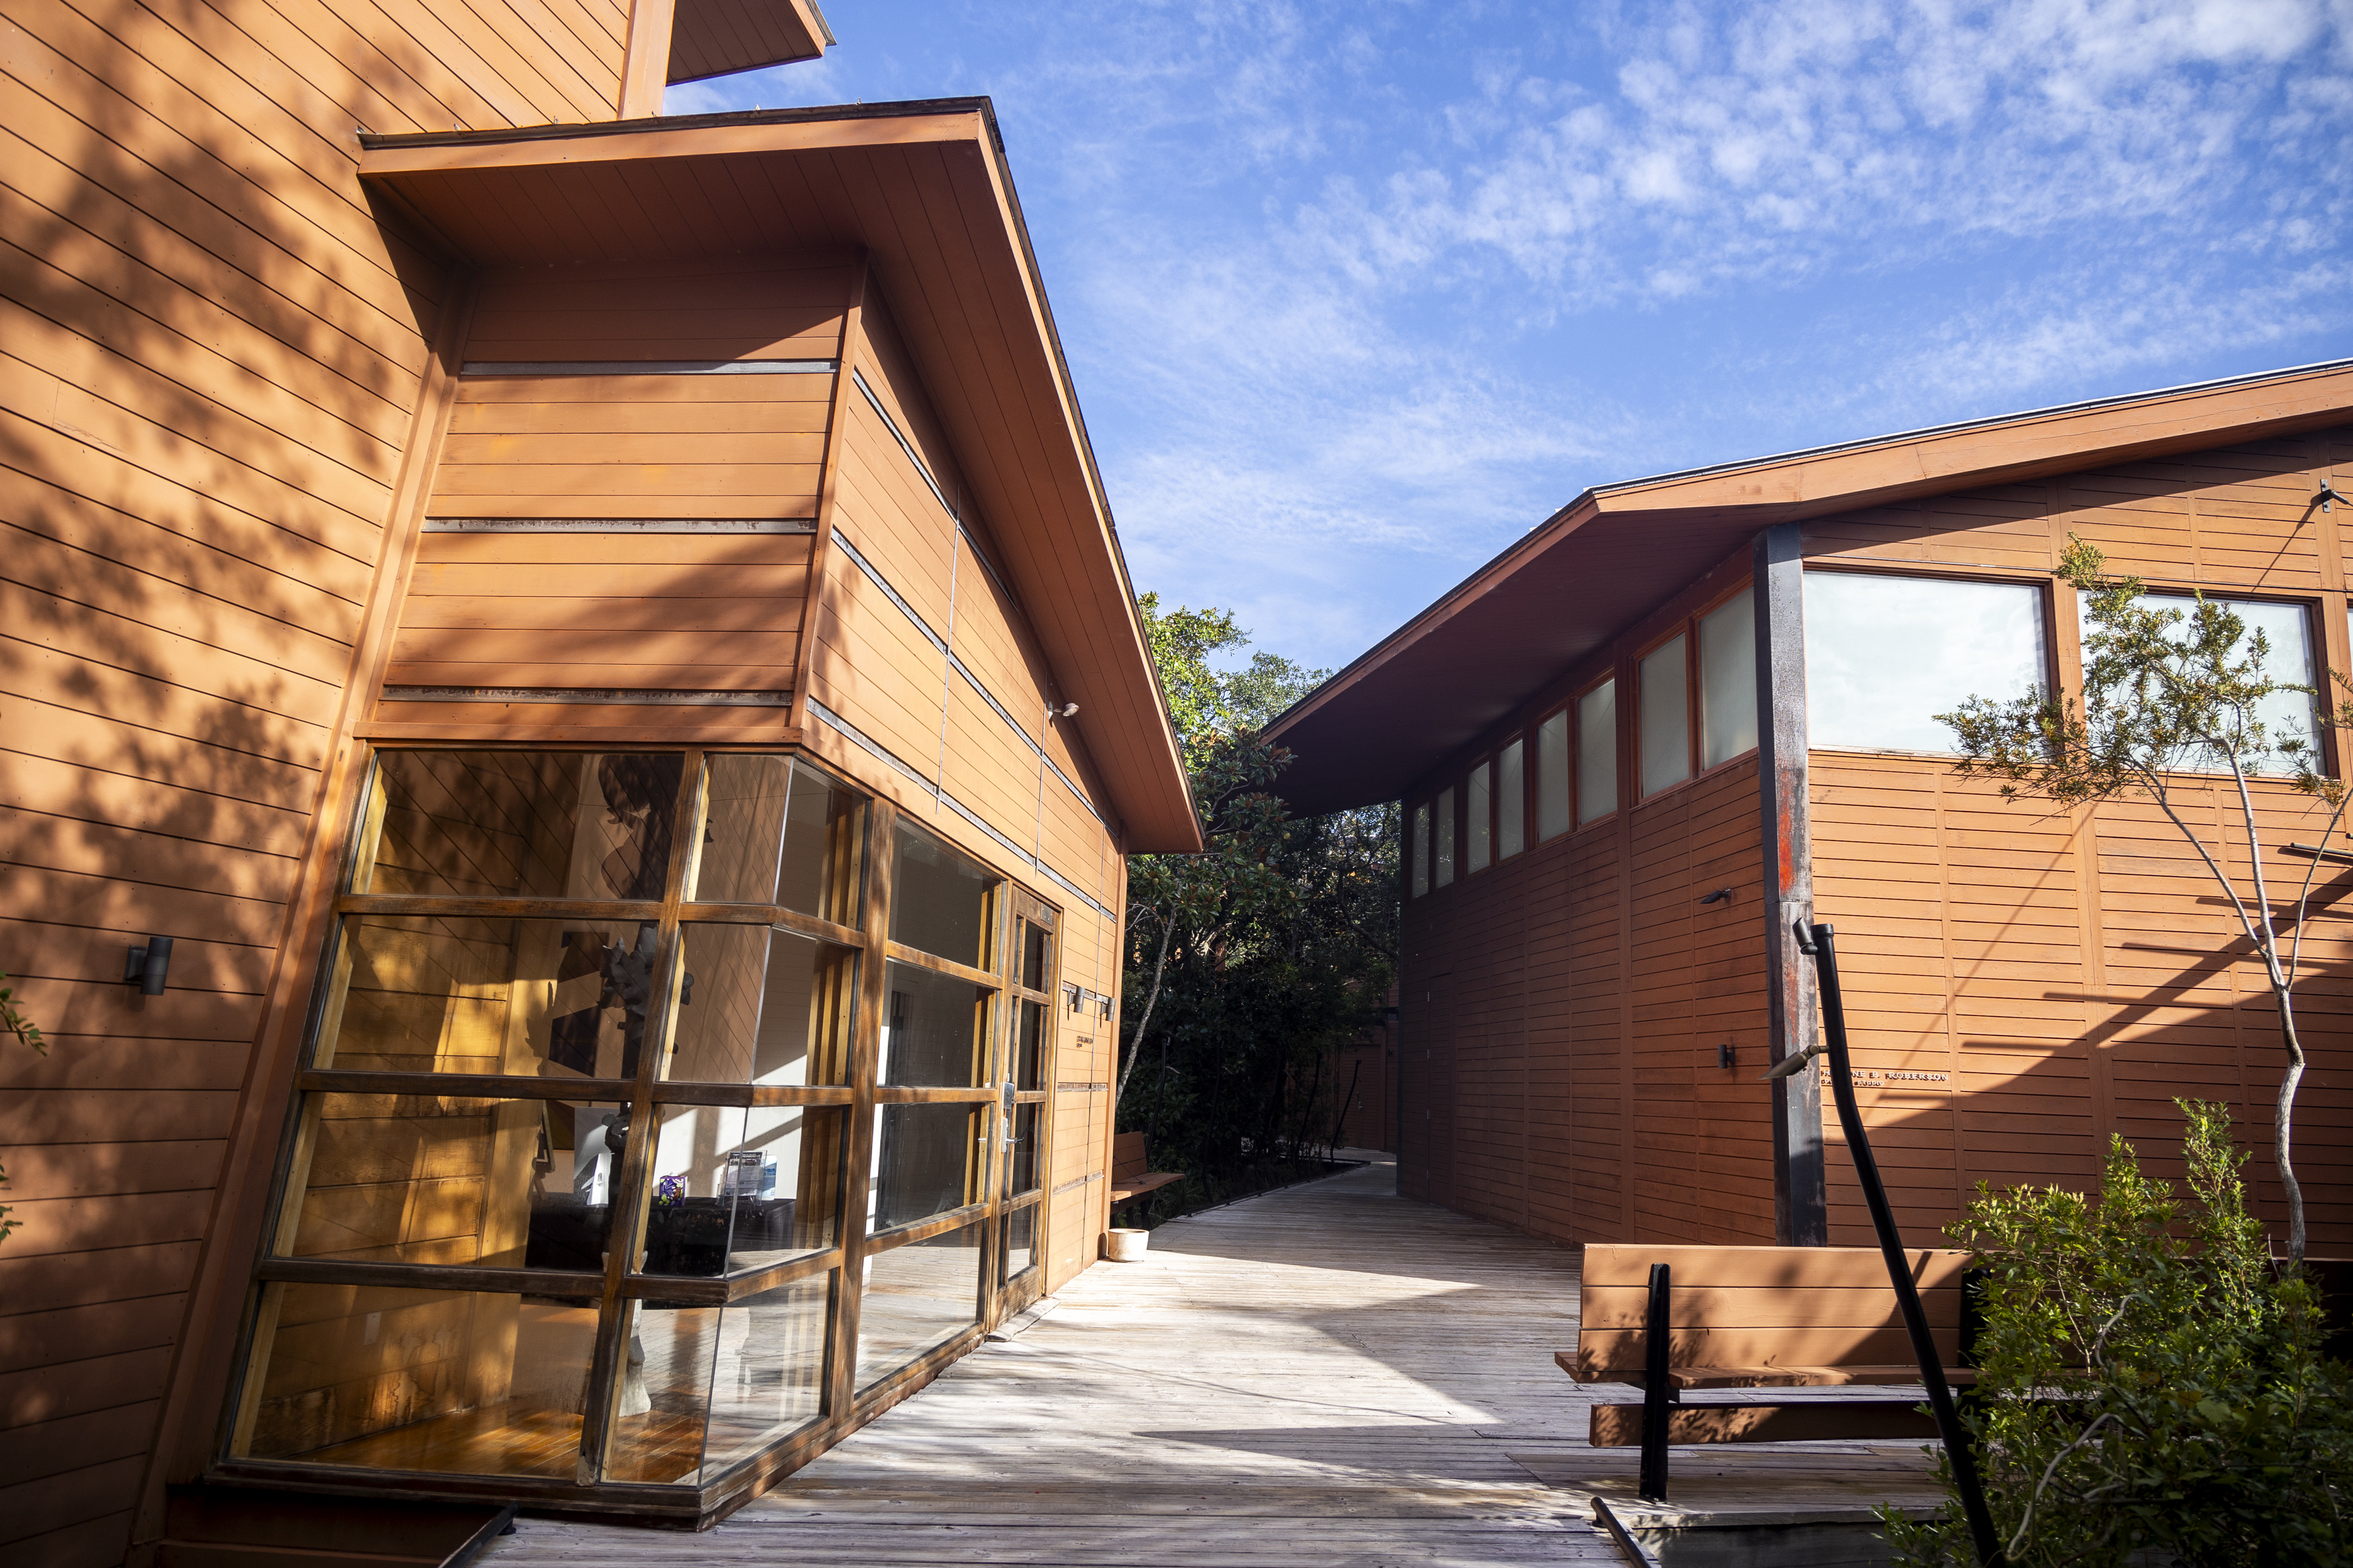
x: 1477, y: 821
x: 1511, y: 804
x: 1727, y: 681
x: 1552, y: 777
x: 1665, y: 718
x: 1596, y: 753
x: 1885, y: 654
x: 2288, y: 631
x: 1445, y: 836
x: 1420, y: 850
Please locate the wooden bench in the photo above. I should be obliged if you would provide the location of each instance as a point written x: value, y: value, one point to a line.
x: 1129, y: 1177
x: 1673, y: 1320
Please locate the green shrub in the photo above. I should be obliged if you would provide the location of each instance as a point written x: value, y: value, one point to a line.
x: 2151, y: 1390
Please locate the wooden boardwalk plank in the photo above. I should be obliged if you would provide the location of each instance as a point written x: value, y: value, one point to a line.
x: 1373, y: 1373
x: 1330, y: 1356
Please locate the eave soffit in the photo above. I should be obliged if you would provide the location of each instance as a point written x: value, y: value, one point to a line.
x: 1615, y: 553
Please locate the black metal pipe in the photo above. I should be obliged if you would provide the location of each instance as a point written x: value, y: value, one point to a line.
x: 1819, y: 941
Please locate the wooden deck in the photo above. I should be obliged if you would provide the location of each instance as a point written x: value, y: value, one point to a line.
x: 1327, y: 1374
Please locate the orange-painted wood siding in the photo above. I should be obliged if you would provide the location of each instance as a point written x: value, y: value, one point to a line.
x: 873, y: 666
x: 213, y: 355
x: 1561, y: 1011
x: 2055, y: 978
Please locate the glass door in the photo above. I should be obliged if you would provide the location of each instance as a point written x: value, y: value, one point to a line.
x: 1023, y: 1104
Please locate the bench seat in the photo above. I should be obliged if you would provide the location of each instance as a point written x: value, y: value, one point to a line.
x: 1149, y: 1181
x: 1775, y: 1376
x: 1732, y: 1318
x: 1129, y: 1176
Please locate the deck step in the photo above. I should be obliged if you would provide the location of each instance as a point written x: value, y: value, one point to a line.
x: 251, y: 1527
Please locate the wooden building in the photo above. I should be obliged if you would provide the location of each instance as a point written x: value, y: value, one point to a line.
x: 598, y: 644
x: 1688, y: 710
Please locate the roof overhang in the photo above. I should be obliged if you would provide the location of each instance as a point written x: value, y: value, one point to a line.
x: 1564, y: 590
x: 713, y: 38
x: 924, y: 190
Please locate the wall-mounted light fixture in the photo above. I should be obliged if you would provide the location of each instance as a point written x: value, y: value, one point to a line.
x: 147, y: 967
x: 1726, y: 1055
x: 1722, y: 895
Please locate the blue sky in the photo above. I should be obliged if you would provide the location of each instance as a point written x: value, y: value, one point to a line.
x: 1356, y: 293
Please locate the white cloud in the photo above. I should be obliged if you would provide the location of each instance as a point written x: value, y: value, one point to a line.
x: 1357, y: 290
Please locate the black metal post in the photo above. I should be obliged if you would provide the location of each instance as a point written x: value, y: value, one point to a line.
x: 1657, y: 1391
x: 1819, y: 942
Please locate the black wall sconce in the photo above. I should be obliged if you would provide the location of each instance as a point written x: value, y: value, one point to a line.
x: 1726, y: 1055
x: 147, y: 967
x: 1721, y: 896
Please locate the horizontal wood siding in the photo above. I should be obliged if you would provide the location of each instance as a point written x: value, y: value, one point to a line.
x: 2050, y: 979
x: 659, y: 611
x: 213, y: 355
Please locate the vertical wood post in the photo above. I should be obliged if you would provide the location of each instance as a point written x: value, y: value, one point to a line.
x: 1800, y: 1210
x: 645, y: 66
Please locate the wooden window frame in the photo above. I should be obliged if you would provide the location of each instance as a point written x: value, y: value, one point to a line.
x: 864, y: 897
x: 1630, y: 718
x: 2063, y: 671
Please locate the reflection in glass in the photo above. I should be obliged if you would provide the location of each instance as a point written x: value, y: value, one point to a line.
x: 706, y: 1386
x: 1036, y: 941
x: 2287, y: 658
x: 935, y: 1030
x: 1030, y: 1045
x: 1020, y: 1241
x: 1021, y: 1158
x: 1511, y: 803
x: 917, y: 1297
x: 1885, y: 654
x: 1727, y: 681
x: 1445, y: 837
x: 736, y: 1188
x: 1478, y: 816
x: 926, y: 1162
x: 939, y: 901
x: 568, y: 825
x: 776, y: 832
x: 761, y: 1005
x: 1665, y: 750
x: 446, y: 1380
x: 1596, y: 753
x: 561, y: 998
x: 455, y: 1180
x: 1552, y: 777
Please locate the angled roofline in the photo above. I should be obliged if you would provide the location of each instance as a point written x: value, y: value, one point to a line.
x: 1841, y: 476
x: 1151, y: 791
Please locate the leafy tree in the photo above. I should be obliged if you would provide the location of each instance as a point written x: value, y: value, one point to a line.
x: 2168, y: 692
x: 25, y: 1032
x: 1246, y: 964
x: 2149, y: 1392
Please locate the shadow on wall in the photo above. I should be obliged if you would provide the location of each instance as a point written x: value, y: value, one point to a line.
x: 214, y: 355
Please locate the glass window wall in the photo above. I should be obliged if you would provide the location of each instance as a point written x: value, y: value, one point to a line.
x: 916, y: 1299
x: 558, y: 926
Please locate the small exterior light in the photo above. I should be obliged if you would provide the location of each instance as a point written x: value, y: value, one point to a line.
x: 148, y: 966
x: 1726, y: 1055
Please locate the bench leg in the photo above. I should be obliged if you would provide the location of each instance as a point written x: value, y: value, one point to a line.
x: 1657, y: 1393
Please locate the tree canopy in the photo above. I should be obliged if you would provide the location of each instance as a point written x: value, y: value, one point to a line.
x: 1248, y: 964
